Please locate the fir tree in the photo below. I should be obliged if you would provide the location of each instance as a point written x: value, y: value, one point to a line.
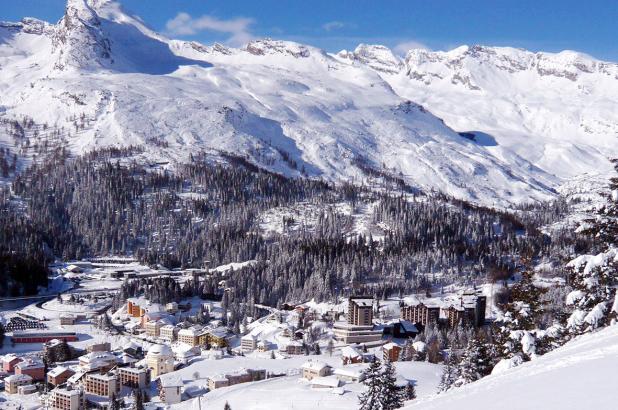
x: 138, y: 400
x: 475, y: 362
x: 392, y: 395
x: 371, y: 398
x: 450, y: 374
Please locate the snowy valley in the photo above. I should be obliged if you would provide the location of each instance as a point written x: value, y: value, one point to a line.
x: 276, y: 226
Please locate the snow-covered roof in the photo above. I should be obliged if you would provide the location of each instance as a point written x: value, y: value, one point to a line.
x: 249, y: 337
x: 171, y: 382
x: 97, y: 357
x: 363, y: 302
x: 390, y: 346
x: 327, y: 381
x: 191, y: 331
x: 314, y: 365
x: 349, y: 351
x: 30, y: 364
x: 57, y: 371
x: 7, y: 358
x: 160, y: 350
x: 350, y: 371
x: 18, y: 378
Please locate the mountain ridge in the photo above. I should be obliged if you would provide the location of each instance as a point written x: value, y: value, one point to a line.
x: 288, y: 107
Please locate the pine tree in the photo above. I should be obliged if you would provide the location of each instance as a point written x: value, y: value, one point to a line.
x: 114, y: 402
x: 475, y: 362
x: 392, y: 395
x: 450, y: 374
x: 371, y: 398
x: 594, y: 278
x: 138, y: 400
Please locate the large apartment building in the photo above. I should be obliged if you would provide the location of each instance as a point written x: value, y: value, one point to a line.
x: 359, y: 326
x: 66, y: 399
x: 421, y: 313
x: 360, y: 310
x: 104, y: 385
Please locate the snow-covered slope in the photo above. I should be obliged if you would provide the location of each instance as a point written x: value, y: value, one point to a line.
x: 100, y: 77
x: 555, y: 110
x: 579, y: 375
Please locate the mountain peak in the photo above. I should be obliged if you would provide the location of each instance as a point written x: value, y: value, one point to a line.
x: 270, y: 46
x: 78, y: 41
x: 376, y: 56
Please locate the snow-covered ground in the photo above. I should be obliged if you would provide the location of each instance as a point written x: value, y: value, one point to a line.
x: 579, y: 375
x: 289, y: 392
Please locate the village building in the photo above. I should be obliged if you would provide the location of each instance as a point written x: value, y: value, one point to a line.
x: 168, y: 332
x: 350, y: 374
x: 217, y: 337
x: 31, y: 367
x: 171, y: 307
x: 294, y: 347
x: 67, y: 320
x: 101, y: 361
x: 326, y: 382
x: 184, y: 352
x: 170, y: 390
x: 134, y: 377
x: 263, y: 346
x: 104, y: 385
x: 160, y: 359
x: 391, y: 352
x: 312, y: 369
x: 13, y: 382
x: 189, y: 336
x: 360, y: 310
x: 9, y: 361
x: 99, y: 347
x: 237, y: 377
x: 359, y: 326
x: 218, y: 381
x: 26, y: 389
x: 66, y: 399
x: 349, y: 355
x: 248, y: 343
x: 59, y: 375
x: 153, y: 327
x: 420, y: 313
x: 42, y: 337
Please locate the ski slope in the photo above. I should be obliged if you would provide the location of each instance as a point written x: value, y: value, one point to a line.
x: 579, y: 375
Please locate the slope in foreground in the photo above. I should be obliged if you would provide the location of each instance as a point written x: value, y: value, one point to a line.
x: 579, y: 375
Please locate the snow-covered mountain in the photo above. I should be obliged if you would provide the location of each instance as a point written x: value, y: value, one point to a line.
x: 484, y: 124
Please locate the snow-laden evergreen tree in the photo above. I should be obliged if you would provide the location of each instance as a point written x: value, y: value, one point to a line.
x: 515, y: 331
x: 594, y: 277
x: 392, y: 395
x: 450, y: 374
x: 371, y: 398
x: 475, y: 363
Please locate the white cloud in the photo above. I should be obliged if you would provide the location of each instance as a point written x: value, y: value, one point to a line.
x: 239, y: 29
x: 333, y: 25
x: 403, y: 47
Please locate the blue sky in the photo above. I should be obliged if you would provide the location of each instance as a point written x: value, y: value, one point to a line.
x: 549, y: 25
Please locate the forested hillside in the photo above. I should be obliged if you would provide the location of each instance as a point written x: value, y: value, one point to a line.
x: 106, y: 202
